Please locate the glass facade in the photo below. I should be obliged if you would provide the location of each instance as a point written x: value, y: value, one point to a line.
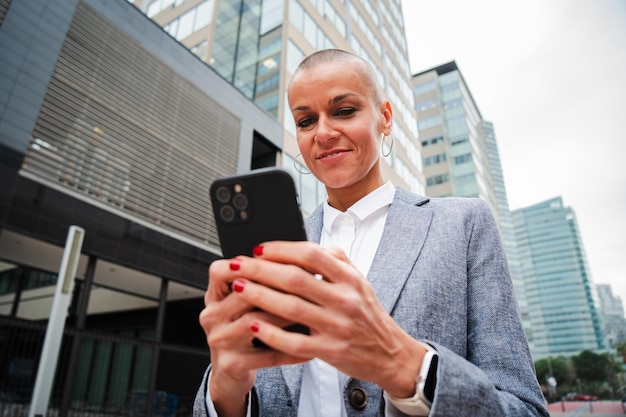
x: 236, y: 47
x: 256, y: 44
x: 562, y: 300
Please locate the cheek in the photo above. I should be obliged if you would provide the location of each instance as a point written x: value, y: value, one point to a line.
x: 304, y: 144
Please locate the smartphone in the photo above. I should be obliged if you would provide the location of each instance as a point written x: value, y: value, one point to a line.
x: 256, y: 207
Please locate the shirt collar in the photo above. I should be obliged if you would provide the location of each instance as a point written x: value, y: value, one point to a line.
x: 377, y: 199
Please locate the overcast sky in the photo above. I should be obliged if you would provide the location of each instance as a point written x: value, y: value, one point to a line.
x: 551, y: 76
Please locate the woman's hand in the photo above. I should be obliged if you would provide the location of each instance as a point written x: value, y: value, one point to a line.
x: 226, y: 320
x: 349, y: 327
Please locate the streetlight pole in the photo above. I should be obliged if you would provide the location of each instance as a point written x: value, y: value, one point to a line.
x: 56, y: 323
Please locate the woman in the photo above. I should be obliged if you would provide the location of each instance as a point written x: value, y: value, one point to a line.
x: 433, y: 329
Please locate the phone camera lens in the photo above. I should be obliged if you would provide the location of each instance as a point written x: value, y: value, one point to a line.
x: 240, y: 201
x: 227, y: 213
x: 222, y: 194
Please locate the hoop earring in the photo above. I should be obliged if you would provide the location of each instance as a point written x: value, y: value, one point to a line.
x: 382, y: 148
x: 297, y: 166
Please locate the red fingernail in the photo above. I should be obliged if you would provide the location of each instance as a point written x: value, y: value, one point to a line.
x: 238, y: 286
x: 258, y: 250
x: 254, y: 327
x: 235, y: 264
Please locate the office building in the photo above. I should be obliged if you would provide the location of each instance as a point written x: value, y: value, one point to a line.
x: 460, y: 154
x: 612, y: 313
x: 449, y: 124
x: 113, y: 123
x: 562, y: 300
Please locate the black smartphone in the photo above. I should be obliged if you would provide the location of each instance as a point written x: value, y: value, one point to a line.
x: 255, y: 207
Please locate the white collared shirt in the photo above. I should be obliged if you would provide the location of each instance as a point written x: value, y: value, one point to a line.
x: 357, y: 231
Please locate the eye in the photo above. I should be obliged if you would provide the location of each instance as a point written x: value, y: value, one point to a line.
x: 305, y: 122
x: 345, y: 111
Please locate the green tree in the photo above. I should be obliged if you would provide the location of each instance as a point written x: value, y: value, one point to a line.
x: 621, y: 350
x: 593, y: 367
x: 562, y: 370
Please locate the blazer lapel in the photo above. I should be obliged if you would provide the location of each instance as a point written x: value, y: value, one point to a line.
x: 293, y: 379
x: 402, y: 240
x: 404, y: 235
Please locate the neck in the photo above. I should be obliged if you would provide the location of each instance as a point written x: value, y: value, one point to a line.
x: 344, y: 198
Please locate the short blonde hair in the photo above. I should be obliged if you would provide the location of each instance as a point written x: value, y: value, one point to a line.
x: 332, y: 55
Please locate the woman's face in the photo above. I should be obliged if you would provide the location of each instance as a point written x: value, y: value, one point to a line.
x: 339, y: 126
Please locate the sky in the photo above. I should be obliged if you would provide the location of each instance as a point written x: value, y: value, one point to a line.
x: 551, y: 77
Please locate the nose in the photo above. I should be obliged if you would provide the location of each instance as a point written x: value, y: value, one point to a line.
x: 325, y: 130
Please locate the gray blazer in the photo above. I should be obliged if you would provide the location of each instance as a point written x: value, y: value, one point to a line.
x: 441, y: 272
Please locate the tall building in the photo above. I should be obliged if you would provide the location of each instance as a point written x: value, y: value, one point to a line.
x: 562, y: 300
x: 612, y: 312
x: 108, y: 123
x: 256, y: 46
x: 113, y: 123
x: 460, y: 154
x: 449, y: 124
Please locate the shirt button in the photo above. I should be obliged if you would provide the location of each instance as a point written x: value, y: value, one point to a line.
x: 358, y: 398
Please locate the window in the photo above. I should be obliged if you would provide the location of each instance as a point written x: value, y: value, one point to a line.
x: 463, y: 159
x: 429, y: 122
x: 437, y: 179
x: 294, y: 56
x: 204, y: 15
x: 432, y: 141
x: 185, y: 25
x: 435, y: 159
x: 458, y: 140
x: 427, y: 104
x: 423, y: 88
x: 271, y: 15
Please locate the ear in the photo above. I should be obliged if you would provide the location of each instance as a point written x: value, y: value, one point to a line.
x: 386, y: 118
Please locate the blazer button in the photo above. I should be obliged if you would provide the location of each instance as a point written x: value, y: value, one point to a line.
x: 358, y: 398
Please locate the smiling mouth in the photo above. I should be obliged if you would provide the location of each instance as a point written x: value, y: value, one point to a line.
x: 332, y: 154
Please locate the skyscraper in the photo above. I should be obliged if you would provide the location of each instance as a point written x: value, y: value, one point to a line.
x: 454, y: 150
x: 257, y: 45
x: 460, y: 153
x: 612, y: 312
x: 562, y: 300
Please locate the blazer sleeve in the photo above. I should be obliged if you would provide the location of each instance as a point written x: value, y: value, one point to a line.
x: 497, y: 376
x: 199, y: 404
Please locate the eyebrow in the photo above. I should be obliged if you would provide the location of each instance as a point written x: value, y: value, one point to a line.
x: 333, y: 100
x: 341, y: 97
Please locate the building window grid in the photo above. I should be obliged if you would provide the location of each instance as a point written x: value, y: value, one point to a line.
x: 191, y: 21
x: 364, y: 27
x: 306, y: 25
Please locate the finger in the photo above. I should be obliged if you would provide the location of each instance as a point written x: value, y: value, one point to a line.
x: 285, y: 308
x: 338, y: 253
x: 294, y: 346
x: 288, y: 279
x: 331, y: 263
x: 234, y: 342
x: 220, y: 278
